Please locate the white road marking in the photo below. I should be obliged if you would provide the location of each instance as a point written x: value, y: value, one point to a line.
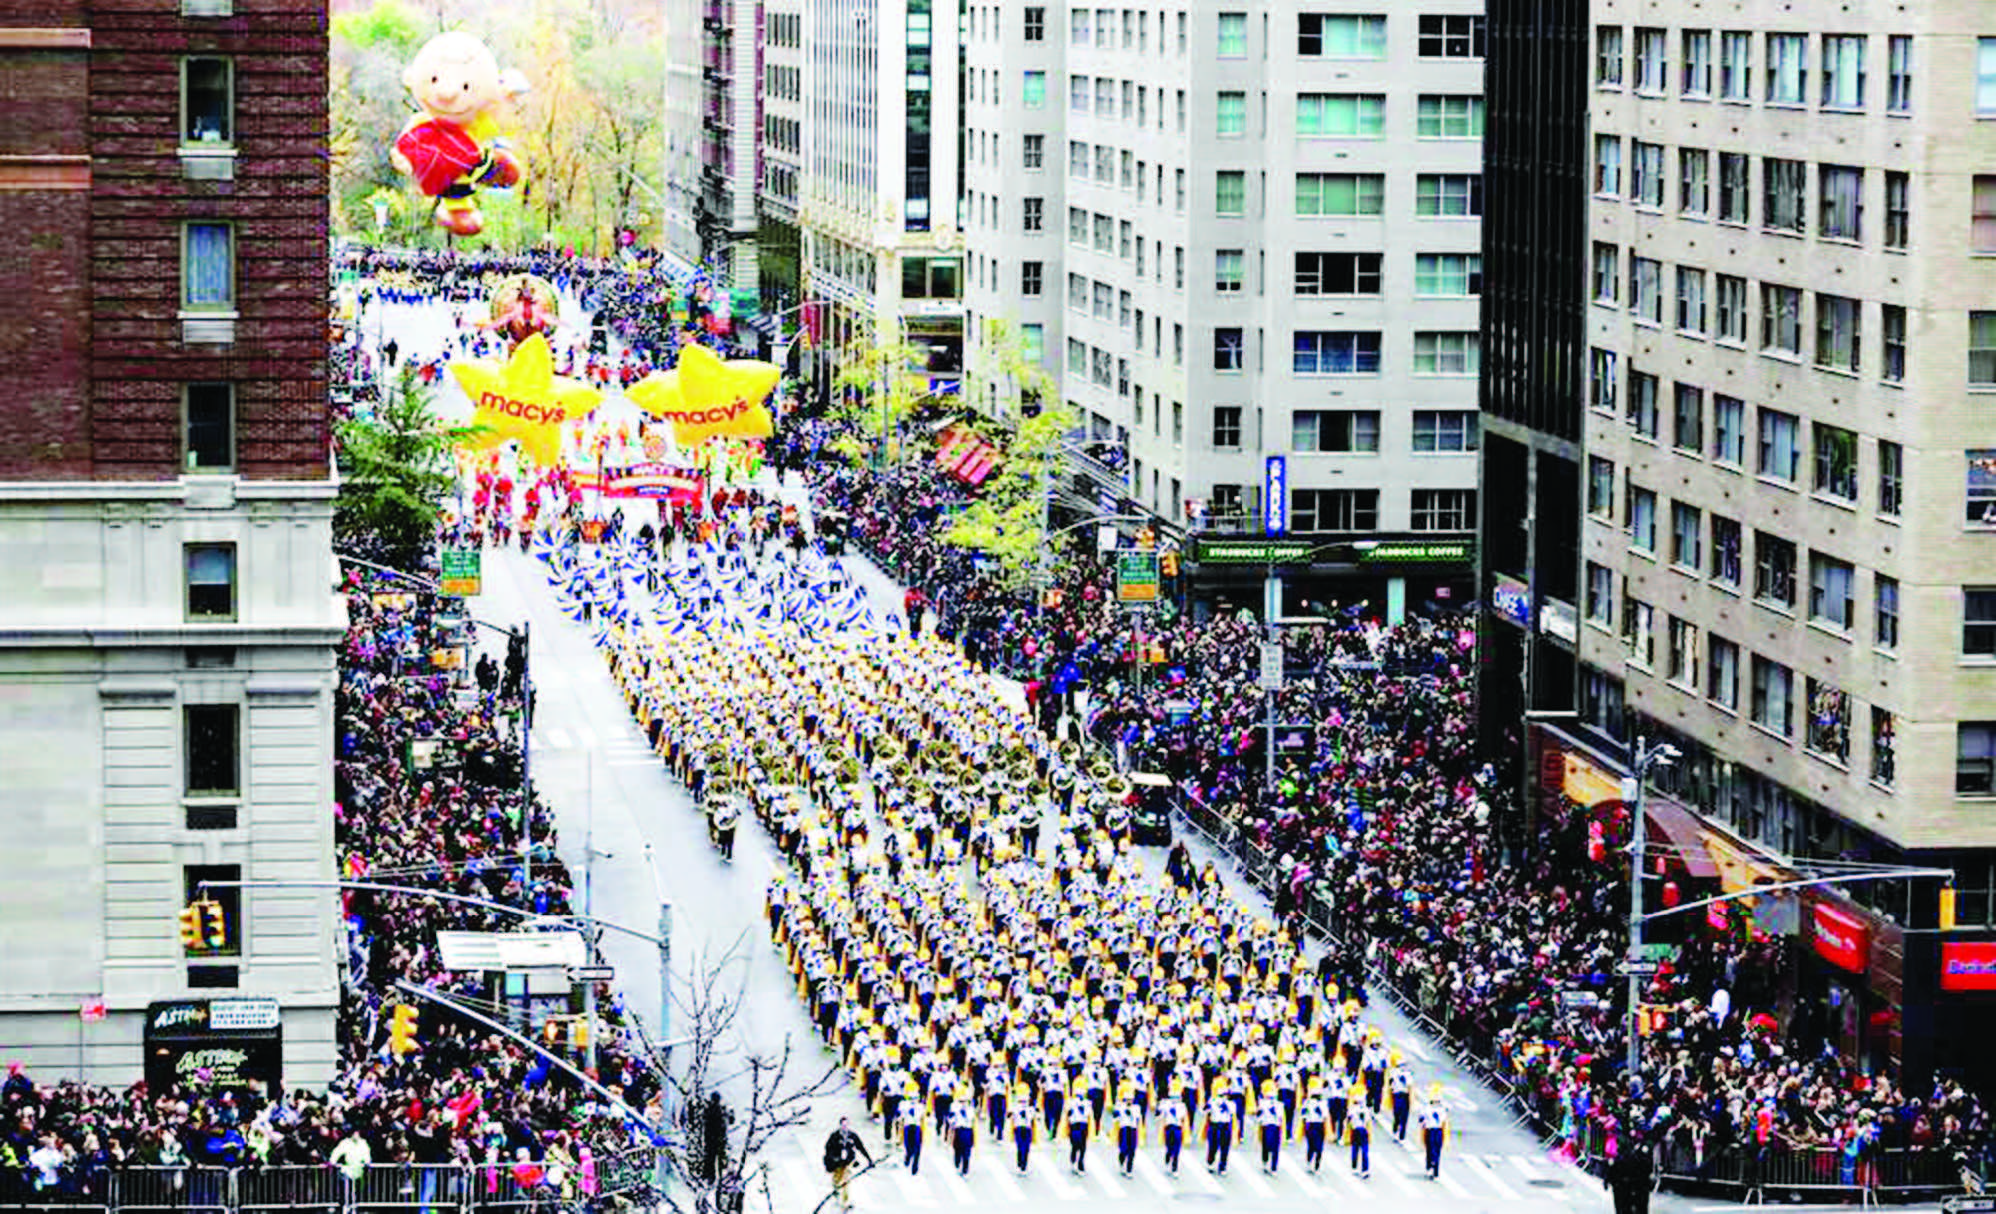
x: 585, y: 737
x: 637, y: 761
x: 1528, y: 1166
x: 1247, y: 1171
x: 554, y: 736
x: 1449, y: 1182
x: 1153, y: 1174
x: 994, y: 1167
x: 1396, y: 1177
x: 912, y: 1187
x: 1300, y: 1173
x: 798, y: 1179
x: 1488, y: 1174
x: 1101, y: 1175
x: 1051, y: 1166
x: 954, y: 1183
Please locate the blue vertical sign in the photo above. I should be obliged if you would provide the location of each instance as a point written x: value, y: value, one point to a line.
x: 1275, y: 495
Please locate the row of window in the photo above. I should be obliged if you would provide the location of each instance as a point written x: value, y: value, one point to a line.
x: 1724, y: 191
x: 1722, y: 67
x: 1353, y: 352
x: 1355, y: 275
x: 1354, y: 431
x: 1318, y: 196
x: 1318, y: 35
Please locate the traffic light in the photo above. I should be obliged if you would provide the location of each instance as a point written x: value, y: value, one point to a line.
x: 551, y: 1032
x: 190, y: 927
x: 402, y: 1029
x: 216, y: 924
x: 579, y: 1034
x: 1947, y: 908
x: 1169, y: 563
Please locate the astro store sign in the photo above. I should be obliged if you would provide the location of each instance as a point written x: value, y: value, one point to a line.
x: 1841, y: 938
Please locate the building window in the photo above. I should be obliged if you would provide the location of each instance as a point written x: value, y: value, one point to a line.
x: 1231, y: 114
x: 1642, y: 414
x: 1227, y: 427
x: 1032, y: 214
x: 212, y: 748
x: 1608, y: 55
x: 1732, y: 297
x: 208, y: 267
x: 1780, y: 319
x: 1451, y: 37
x: 1843, y: 72
x: 1443, y: 509
x: 1342, y: 115
x: 1735, y: 188
x: 1645, y: 173
x: 1600, y: 487
x: 1885, y: 611
x: 207, y: 102
x: 1697, y: 78
x: 1600, y: 594
x: 1340, y: 37
x: 1683, y: 655
x: 1773, y: 570
x: 1728, y: 429
x: 1985, y: 76
x: 1836, y: 461
x: 1982, y: 349
x: 1312, y: 510
x: 1694, y: 185
x: 1726, y: 544
x: 1608, y: 165
x: 1233, y: 36
x: 1975, y: 741
x: 1447, y: 353
x: 1786, y: 184
x: 1450, y: 195
x: 1321, y: 352
x: 1687, y: 536
x: 1690, y: 300
x: 1722, y: 678
x: 1229, y: 349
x: 1229, y: 271
x: 1036, y: 23
x: 1646, y: 289
x: 1639, y: 631
x: 1437, y: 431
x: 1780, y: 445
x: 1981, y: 488
x: 1340, y: 194
x: 1449, y: 117
x: 1884, y: 747
x: 1607, y: 273
x: 1642, y: 518
x: 1688, y: 418
x: 1898, y: 210
x: 1033, y: 343
x: 1978, y: 622
x: 1837, y: 342
x: 1831, y: 591
x: 1891, y: 477
x: 1736, y: 66
x: 1230, y: 192
x: 1338, y: 273
x: 1602, y: 380
x: 211, y: 581
x: 1035, y: 148
x: 1034, y: 91
x: 1032, y: 277
x: 1773, y: 696
x: 1841, y: 216
x: 1787, y: 68
x: 1335, y: 431
x: 209, y: 434
x: 1448, y: 274
x: 1892, y: 343
x: 1899, y: 74
x: 1828, y: 732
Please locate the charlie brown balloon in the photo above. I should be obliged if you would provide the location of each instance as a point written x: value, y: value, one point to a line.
x: 453, y: 144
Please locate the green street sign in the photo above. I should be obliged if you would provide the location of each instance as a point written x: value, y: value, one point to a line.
x: 1136, y: 577
x: 461, y: 572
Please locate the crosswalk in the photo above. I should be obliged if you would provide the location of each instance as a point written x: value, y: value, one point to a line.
x: 797, y: 1183
x: 622, y: 750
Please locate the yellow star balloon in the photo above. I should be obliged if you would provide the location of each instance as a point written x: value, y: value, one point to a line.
x: 524, y: 399
x: 706, y: 396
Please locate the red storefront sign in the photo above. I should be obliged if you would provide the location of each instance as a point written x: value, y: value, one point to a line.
x: 1842, y: 939
x: 1968, y: 967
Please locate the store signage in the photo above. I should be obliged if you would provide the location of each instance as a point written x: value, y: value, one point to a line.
x: 1511, y: 599
x: 1254, y: 552
x: 242, y: 1015
x: 1842, y: 938
x: 1969, y: 966
x: 214, y: 1044
x: 1275, y: 494
x: 1398, y: 552
x: 1557, y: 619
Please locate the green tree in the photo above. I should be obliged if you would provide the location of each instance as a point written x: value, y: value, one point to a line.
x: 396, y: 470
x: 1000, y: 370
x: 875, y: 392
x: 1007, y: 520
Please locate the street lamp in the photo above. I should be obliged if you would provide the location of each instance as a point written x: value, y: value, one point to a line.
x: 1661, y: 755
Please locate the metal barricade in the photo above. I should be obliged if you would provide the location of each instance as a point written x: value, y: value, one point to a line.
x: 425, y: 1187
x: 1901, y: 1172
x: 296, y: 1187
x: 188, y: 1190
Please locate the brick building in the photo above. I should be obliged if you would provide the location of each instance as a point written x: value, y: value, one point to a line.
x: 168, y: 621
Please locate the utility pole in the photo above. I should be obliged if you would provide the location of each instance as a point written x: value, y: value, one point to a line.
x: 589, y: 933
x: 1633, y: 788
x: 527, y: 764
x: 1271, y: 600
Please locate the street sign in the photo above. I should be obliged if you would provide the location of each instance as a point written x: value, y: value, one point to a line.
x: 1136, y: 577
x: 1638, y: 969
x: 593, y: 973
x: 461, y: 572
x: 1271, y: 665
x: 1654, y: 952
x: 1957, y: 1204
x: 1582, y: 999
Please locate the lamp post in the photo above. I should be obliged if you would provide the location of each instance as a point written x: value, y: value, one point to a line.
x: 1662, y: 754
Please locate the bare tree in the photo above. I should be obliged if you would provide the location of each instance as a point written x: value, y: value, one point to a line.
x: 762, y: 1092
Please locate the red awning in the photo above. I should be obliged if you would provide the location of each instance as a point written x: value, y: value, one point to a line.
x: 1682, y: 834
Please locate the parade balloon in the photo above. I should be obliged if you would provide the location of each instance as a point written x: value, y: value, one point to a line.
x: 523, y: 399
x: 522, y: 306
x: 452, y: 145
x: 708, y: 397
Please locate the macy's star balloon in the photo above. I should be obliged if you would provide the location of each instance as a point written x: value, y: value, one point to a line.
x: 523, y: 399
x: 706, y: 397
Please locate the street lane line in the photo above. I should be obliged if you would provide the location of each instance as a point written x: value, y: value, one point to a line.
x: 1154, y: 1176
x: 1108, y: 1184
x: 993, y: 1167
x: 912, y: 1187
x: 1449, y: 1182
x: 1306, y: 1182
x: 954, y: 1183
x: 1248, y: 1172
x: 556, y: 736
x: 1488, y: 1175
x: 585, y: 737
x: 797, y: 1178
x: 635, y: 761
x: 1340, y: 1178
x: 1051, y: 1166
x: 1397, y: 1178
x: 1528, y: 1166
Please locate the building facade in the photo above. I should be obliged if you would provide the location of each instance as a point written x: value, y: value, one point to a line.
x: 169, y: 621
x: 1787, y: 481
x: 1237, y: 235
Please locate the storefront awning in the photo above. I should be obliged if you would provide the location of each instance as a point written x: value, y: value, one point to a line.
x: 1683, y: 834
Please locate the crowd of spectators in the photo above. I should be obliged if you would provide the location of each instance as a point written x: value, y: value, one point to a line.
x: 1387, y: 824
